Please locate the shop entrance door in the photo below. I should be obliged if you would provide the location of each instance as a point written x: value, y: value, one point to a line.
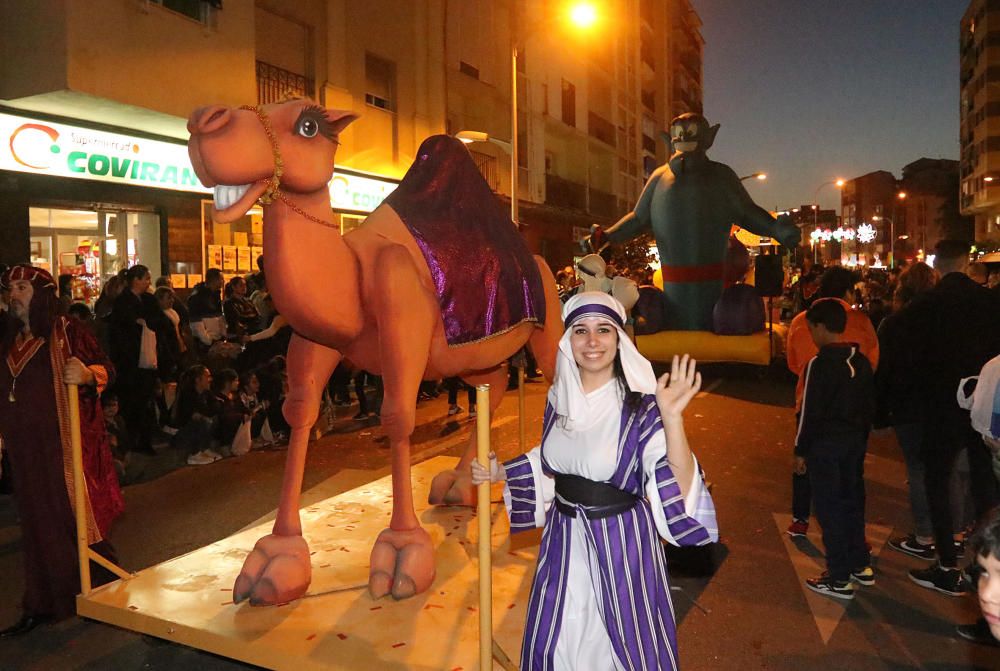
x: 93, y: 244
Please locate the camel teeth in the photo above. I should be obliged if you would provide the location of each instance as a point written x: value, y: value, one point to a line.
x: 227, y: 195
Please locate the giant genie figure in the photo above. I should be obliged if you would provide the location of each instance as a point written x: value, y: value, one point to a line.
x: 690, y: 204
x: 436, y: 283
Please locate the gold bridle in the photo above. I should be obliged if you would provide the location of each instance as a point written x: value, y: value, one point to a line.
x: 273, y: 191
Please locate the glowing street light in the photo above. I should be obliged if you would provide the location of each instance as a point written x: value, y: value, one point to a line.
x: 583, y: 15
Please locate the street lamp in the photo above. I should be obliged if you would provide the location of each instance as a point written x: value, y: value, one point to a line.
x: 582, y: 14
x: 839, y: 183
x: 755, y: 175
x: 892, y: 236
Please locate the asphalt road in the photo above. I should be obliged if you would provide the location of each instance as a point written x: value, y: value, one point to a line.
x: 750, y: 613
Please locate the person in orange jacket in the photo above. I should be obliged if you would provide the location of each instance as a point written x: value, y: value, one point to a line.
x: 837, y: 283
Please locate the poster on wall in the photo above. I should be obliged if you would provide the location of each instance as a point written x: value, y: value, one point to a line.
x: 193, y: 280
x: 228, y: 257
x: 243, y: 259
x: 178, y: 281
x: 256, y: 253
x: 215, y: 256
x: 241, y: 239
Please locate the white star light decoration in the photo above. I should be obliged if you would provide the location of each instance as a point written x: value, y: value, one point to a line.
x: 866, y: 233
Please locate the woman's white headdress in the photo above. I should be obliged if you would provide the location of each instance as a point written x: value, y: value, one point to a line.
x: 567, y: 394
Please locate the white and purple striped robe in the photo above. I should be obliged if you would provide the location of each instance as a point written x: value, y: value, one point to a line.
x: 600, y: 597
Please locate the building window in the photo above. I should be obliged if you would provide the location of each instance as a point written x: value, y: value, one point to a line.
x: 568, y: 104
x: 199, y: 10
x: 380, y: 83
x: 470, y: 70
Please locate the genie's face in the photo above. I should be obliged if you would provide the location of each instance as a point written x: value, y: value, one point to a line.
x: 690, y: 133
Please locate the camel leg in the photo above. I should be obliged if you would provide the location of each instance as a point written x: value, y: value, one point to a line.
x: 278, y: 569
x: 402, y: 559
x: 454, y: 487
x: 544, y: 342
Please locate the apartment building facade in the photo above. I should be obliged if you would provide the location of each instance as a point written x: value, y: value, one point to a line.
x: 109, y: 97
x: 979, y: 110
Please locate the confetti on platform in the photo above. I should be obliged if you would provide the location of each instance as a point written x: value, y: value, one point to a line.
x: 398, y: 645
x: 342, y: 637
x: 310, y: 637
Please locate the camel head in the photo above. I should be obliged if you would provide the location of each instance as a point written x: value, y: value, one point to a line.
x: 259, y: 153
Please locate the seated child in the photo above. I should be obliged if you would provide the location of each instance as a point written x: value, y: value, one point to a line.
x: 193, y: 415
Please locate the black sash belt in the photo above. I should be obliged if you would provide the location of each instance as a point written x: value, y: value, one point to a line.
x: 599, y: 499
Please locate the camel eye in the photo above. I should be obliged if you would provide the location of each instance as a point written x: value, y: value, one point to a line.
x: 307, y: 127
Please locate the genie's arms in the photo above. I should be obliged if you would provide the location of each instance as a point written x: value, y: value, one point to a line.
x: 636, y: 221
x: 757, y: 220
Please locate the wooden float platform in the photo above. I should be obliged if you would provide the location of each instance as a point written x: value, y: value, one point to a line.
x: 188, y: 600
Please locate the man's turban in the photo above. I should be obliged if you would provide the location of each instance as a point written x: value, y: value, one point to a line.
x: 39, y: 278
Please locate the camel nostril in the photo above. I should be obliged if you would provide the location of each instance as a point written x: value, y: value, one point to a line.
x: 209, y: 119
x: 217, y: 114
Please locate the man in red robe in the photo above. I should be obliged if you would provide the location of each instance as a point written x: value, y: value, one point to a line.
x: 41, y: 353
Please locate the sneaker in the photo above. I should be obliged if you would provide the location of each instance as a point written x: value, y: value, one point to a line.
x: 978, y: 632
x: 212, y: 454
x: 945, y: 580
x: 798, y: 528
x: 864, y: 576
x: 909, y: 545
x: 829, y: 587
x: 361, y: 416
x: 472, y: 411
x: 454, y: 410
x: 199, y: 459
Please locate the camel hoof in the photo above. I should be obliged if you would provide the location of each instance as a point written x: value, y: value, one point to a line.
x: 440, y: 486
x: 462, y: 491
x: 402, y: 563
x: 275, y: 572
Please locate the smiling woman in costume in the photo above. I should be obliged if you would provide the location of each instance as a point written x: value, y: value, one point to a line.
x: 615, y: 462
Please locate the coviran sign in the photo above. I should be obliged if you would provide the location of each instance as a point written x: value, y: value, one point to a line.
x: 62, y: 150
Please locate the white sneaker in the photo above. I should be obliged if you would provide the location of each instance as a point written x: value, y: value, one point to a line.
x: 199, y: 459
x: 454, y: 410
x: 212, y: 454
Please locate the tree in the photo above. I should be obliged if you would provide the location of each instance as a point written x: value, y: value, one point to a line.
x: 634, y: 257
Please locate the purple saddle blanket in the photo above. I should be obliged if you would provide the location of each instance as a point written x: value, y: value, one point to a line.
x: 486, y: 280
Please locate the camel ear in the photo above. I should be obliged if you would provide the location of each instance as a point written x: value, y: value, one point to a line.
x: 340, y: 119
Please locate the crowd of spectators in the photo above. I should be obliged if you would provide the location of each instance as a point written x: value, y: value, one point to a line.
x: 927, y: 332
x: 197, y: 379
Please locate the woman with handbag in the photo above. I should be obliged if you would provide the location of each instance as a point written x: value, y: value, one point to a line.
x: 134, y: 320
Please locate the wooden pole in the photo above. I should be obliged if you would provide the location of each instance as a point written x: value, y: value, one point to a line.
x: 485, y: 541
x: 79, y: 489
x: 520, y: 410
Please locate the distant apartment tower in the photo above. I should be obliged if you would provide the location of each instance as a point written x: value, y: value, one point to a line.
x: 979, y: 46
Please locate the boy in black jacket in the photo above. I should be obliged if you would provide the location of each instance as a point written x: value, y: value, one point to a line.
x: 837, y: 409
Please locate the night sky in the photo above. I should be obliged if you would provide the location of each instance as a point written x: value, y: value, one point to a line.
x: 811, y: 90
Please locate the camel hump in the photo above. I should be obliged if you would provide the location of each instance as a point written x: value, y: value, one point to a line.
x: 486, y: 279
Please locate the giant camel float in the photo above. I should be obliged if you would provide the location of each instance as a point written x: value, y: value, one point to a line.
x: 430, y: 286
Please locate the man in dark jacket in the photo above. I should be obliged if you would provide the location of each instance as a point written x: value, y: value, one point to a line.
x: 954, y: 329
x: 838, y: 404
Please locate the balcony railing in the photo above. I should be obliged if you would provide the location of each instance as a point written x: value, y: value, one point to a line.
x: 601, y: 128
x: 487, y: 166
x: 561, y: 192
x: 603, y: 204
x: 274, y: 83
